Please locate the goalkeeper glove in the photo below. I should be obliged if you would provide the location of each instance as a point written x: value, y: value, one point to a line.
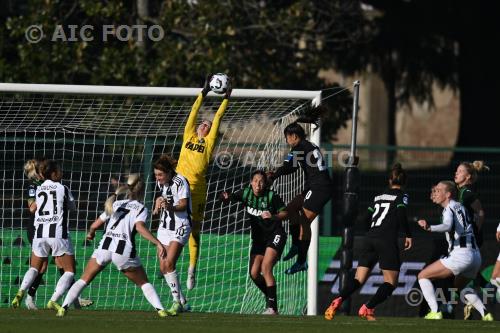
x: 229, y: 89
x: 206, y: 85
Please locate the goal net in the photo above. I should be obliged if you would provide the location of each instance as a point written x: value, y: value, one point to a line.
x: 100, y: 135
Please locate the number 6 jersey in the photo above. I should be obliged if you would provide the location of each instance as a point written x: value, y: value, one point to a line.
x: 388, y: 215
x: 120, y: 230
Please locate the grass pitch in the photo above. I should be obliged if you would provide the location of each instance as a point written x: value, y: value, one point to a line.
x: 85, y: 321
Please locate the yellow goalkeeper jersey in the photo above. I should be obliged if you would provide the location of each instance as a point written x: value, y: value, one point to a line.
x: 195, y: 152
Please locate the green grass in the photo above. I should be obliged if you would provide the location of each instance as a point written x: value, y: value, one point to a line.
x: 21, y: 320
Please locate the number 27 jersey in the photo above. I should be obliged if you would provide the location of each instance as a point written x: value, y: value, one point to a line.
x: 388, y: 215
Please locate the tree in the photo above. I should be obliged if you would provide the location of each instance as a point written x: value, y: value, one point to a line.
x: 263, y: 44
x: 411, y: 48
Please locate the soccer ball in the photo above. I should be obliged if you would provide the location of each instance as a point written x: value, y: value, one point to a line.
x: 218, y: 83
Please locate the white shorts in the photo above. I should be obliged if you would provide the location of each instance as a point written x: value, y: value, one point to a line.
x: 104, y: 257
x: 179, y: 235
x: 463, y: 261
x: 43, y: 247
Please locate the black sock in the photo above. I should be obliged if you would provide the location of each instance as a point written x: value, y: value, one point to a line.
x: 303, y: 248
x: 272, y: 300
x: 347, y: 290
x: 295, y: 233
x: 35, y: 284
x: 384, y: 291
x: 261, y: 284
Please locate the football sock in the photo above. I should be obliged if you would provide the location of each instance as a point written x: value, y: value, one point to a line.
x: 384, y: 291
x: 303, y: 248
x: 28, y: 278
x: 194, y: 244
x: 62, y: 285
x: 295, y: 232
x: 35, y: 285
x: 428, y: 291
x: 476, y: 302
x: 272, y: 301
x: 152, y: 296
x: 351, y: 286
x: 74, y: 292
x: 173, y: 282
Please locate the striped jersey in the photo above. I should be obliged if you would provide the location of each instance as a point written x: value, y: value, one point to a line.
x: 457, y: 224
x: 53, y: 202
x: 173, y: 192
x: 120, y: 230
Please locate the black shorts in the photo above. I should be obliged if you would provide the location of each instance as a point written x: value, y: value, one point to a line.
x: 386, y: 252
x: 315, y: 200
x: 277, y: 242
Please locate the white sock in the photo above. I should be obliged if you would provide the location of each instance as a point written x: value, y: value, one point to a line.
x: 173, y: 282
x: 74, y: 292
x: 495, y: 282
x: 28, y: 278
x: 62, y: 285
x: 429, y: 295
x: 191, y: 270
x: 476, y: 302
x: 151, y: 295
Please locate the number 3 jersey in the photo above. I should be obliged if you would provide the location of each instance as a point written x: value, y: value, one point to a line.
x: 120, y: 230
x: 53, y: 202
x: 388, y: 215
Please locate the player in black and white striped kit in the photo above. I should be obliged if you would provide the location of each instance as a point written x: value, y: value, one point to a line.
x: 463, y: 260
x: 53, y: 203
x: 124, y: 219
x: 174, y: 203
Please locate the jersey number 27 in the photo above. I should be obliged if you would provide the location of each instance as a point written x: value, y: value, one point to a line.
x: 377, y: 218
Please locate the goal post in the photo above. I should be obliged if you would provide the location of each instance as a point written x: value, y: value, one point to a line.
x: 100, y: 132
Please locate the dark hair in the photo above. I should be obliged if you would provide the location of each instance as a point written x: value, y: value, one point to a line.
x: 259, y: 172
x: 48, y: 167
x: 397, y: 176
x: 165, y: 163
x: 295, y: 128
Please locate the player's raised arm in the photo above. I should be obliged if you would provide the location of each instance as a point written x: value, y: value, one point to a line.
x: 214, y: 130
x: 190, y: 128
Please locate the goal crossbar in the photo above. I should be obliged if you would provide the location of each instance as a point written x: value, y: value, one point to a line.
x: 150, y: 91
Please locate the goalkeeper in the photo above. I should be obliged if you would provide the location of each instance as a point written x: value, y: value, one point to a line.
x: 197, y: 146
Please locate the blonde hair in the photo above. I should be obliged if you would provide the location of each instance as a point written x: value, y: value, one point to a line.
x: 474, y: 168
x: 30, y: 170
x: 450, y: 187
x: 134, y: 190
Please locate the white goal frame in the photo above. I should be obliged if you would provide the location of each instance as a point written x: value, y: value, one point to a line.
x: 314, y: 96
